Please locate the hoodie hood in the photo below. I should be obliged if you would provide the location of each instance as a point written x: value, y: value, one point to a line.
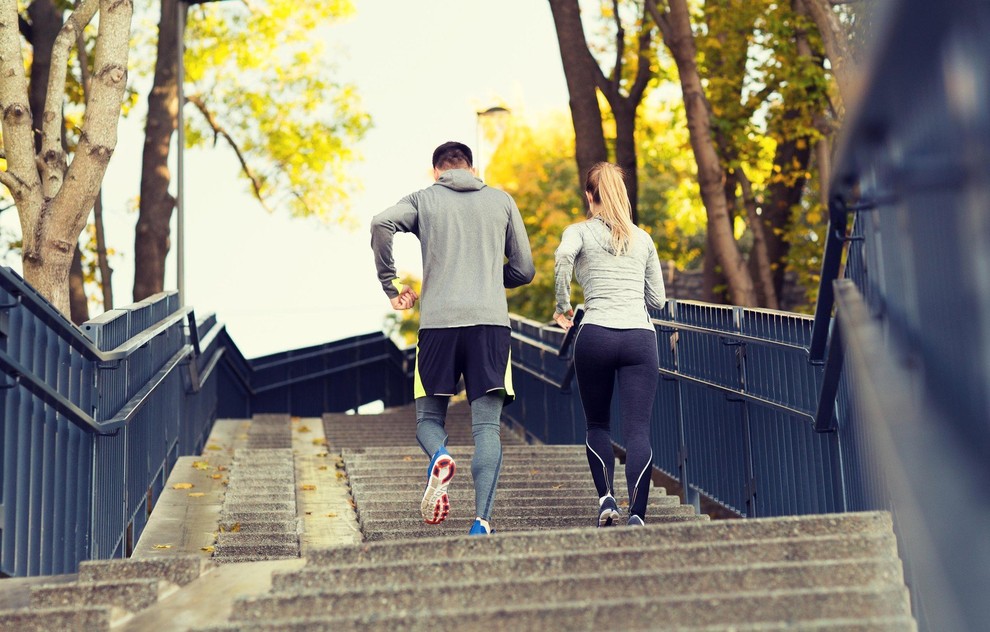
x: 601, y: 233
x: 460, y: 180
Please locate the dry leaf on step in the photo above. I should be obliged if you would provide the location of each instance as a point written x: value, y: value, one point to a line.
x: 307, y: 488
x: 163, y: 546
x: 197, y: 494
x: 201, y: 465
x: 183, y: 486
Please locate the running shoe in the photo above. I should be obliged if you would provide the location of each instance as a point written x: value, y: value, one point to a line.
x: 635, y: 521
x: 479, y: 529
x: 436, y: 504
x: 608, y: 513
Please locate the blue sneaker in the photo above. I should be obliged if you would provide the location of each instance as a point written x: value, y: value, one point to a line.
x: 608, y: 513
x: 635, y: 521
x: 436, y: 504
x: 479, y: 529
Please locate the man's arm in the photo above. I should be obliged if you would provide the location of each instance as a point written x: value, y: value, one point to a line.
x: 519, y: 269
x: 403, y: 217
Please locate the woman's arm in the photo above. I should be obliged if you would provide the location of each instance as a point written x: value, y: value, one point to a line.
x: 570, y: 246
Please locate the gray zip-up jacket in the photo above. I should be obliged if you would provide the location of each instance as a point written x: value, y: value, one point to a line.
x: 466, y: 230
x: 616, y: 289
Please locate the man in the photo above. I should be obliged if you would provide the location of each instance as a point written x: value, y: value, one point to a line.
x: 474, y: 246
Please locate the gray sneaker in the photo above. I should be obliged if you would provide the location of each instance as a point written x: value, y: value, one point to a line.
x: 635, y: 521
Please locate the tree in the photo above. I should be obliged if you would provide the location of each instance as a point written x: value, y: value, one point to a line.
x: 293, y: 149
x: 675, y: 26
x: 623, y: 87
x: 52, y: 195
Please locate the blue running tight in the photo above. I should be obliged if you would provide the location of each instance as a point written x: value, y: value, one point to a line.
x: 601, y: 355
x: 486, y: 411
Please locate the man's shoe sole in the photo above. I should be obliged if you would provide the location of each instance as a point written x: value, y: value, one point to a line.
x: 607, y: 518
x: 436, y: 504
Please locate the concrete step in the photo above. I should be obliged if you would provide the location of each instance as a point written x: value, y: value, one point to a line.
x: 180, y: 569
x: 719, y: 531
x: 320, y: 574
x: 455, y: 527
x: 604, y: 583
x: 73, y: 618
x: 465, y: 483
x: 249, y: 539
x: 130, y: 595
x: 525, y: 504
x: 507, y: 517
x: 258, y: 526
x: 632, y: 613
x: 256, y: 548
x: 234, y: 504
x: 872, y: 624
x: 546, y: 495
x: 235, y: 515
x: 413, y: 449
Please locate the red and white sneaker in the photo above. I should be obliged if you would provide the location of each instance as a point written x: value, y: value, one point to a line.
x: 436, y: 504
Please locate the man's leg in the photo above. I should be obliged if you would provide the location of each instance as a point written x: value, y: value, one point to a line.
x: 486, y: 412
x: 431, y: 413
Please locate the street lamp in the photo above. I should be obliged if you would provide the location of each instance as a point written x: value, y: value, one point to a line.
x: 180, y: 229
x: 492, y: 112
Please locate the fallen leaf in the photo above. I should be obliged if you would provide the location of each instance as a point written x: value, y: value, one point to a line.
x: 323, y: 467
x: 534, y: 472
x: 208, y: 549
x: 216, y: 477
x: 350, y: 501
x: 296, y: 418
x: 201, y: 465
x: 163, y: 546
x: 303, y: 429
x: 309, y: 513
x: 197, y: 494
x: 183, y: 486
x: 322, y: 454
x: 221, y: 468
x: 234, y: 528
x: 331, y: 515
x: 214, y: 447
x: 319, y: 441
x: 557, y: 486
x: 307, y: 488
x: 407, y: 459
x: 341, y: 475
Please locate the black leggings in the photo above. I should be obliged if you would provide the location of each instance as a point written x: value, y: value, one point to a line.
x: 600, y: 356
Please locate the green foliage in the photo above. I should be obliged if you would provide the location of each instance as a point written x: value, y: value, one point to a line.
x: 261, y: 70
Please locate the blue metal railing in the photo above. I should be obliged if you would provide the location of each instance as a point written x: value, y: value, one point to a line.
x: 733, y: 417
x: 92, y: 419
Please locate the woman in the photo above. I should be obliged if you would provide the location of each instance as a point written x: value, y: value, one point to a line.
x: 617, y: 265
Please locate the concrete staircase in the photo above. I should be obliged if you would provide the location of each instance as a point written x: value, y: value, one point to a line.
x: 546, y: 567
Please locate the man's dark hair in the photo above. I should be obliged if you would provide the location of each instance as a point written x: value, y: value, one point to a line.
x: 452, y: 155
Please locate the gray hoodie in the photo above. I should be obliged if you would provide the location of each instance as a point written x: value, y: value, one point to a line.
x: 466, y: 231
x: 616, y: 289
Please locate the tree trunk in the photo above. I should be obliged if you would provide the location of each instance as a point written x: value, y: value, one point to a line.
x: 46, y: 20
x: 586, y: 115
x: 759, y: 259
x: 837, y: 48
x: 679, y: 39
x: 625, y: 149
x: 78, y: 303
x: 151, y: 239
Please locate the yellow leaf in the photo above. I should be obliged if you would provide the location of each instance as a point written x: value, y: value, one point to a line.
x: 197, y: 494
x: 323, y: 467
x: 303, y: 428
x: 216, y: 476
x: 331, y: 515
x: 183, y: 486
x: 407, y: 458
x: 307, y: 488
x: 319, y: 441
x: 208, y: 549
x: 340, y: 475
x: 214, y: 447
x: 163, y: 546
x: 201, y: 465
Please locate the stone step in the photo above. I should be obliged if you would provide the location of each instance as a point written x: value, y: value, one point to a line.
x: 250, y: 539
x: 526, y: 504
x: 718, y: 531
x: 235, y: 515
x: 631, y: 613
x: 258, y: 526
x: 232, y: 547
x: 509, y: 484
x: 455, y: 527
x: 546, y: 495
x: 180, y: 569
x: 257, y: 507
x: 871, y: 624
x: 49, y: 619
x: 319, y: 573
x: 508, y: 517
x: 419, y: 467
x: 413, y: 449
x: 604, y: 583
x: 131, y: 595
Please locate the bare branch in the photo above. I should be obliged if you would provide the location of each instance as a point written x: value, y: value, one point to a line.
x: 643, y: 71
x: 10, y: 181
x: 219, y: 130
x: 52, y: 151
x: 660, y: 18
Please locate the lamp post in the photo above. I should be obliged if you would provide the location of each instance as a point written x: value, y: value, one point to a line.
x: 180, y: 229
x: 492, y: 112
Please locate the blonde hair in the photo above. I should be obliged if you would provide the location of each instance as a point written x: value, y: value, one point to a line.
x: 610, y: 200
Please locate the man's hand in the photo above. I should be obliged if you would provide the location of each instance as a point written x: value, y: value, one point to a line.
x: 566, y: 321
x: 405, y: 300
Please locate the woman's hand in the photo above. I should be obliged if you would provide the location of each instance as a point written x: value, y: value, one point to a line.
x: 564, y: 320
x: 405, y: 300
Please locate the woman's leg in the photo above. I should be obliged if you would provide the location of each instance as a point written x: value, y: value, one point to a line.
x: 593, y: 365
x: 637, y: 389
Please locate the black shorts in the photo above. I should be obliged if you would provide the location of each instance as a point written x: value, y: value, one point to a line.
x: 480, y: 353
